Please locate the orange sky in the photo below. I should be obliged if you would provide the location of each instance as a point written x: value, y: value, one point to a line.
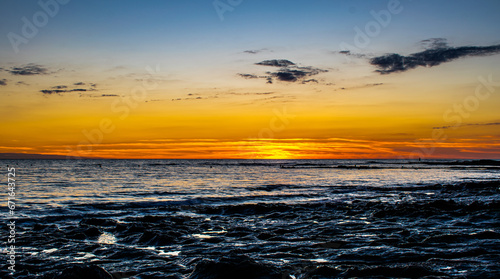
x: 218, y: 94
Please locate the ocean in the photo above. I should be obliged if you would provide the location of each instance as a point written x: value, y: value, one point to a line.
x: 255, y: 218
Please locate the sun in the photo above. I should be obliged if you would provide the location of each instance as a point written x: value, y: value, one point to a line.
x: 267, y: 149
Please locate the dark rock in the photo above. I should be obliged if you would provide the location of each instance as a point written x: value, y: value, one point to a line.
x: 234, y: 267
x: 79, y: 236
x: 486, y: 235
x: 123, y: 254
x: 323, y: 271
x: 153, y: 219
x: 82, y: 272
x: 265, y: 235
x: 98, y: 222
x: 391, y: 271
x: 213, y: 240
x: 92, y: 232
x: 330, y: 244
x: 155, y: 238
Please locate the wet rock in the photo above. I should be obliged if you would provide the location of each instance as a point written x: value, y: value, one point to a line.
x: 234, y: 267
x: 79, y: 236
x: 322, y: 272
x: 135, y: 228
x: 213, y: 240
x: 444, y: 238
x: 390, y: 271
x: 155, y: 238
x: 123, y: 254
x: 486, y: 235
x: 98, y: 222
x: 330, y: 244
x: 265, y: 236
x: 153, y: 219
x: 92, y: 232
x: 82, y: 272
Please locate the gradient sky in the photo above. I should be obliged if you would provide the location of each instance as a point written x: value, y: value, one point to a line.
x: 179, y: 79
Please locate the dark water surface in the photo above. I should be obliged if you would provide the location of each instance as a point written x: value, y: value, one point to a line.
x: 254, y: 219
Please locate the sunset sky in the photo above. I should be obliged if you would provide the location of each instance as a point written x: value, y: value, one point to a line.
x: 254, y: 79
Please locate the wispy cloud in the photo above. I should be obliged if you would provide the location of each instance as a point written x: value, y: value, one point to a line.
x: 29, y: 70
x: 255, y: 51
x: 368, y: 85
x: 57, y: 89
x: 248, y: 76
x: 434, y: 43
x: 468, y: 125
x: 349, y: 53
x: 276, y: 63
x: 288, y: 71
x: 437, y: 53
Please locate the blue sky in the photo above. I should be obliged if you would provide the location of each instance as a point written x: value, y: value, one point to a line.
x: 122, y: 27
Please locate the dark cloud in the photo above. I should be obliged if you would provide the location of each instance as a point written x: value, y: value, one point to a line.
x: 434, y: 43
x: 292, y: 74
x: 79, y: 83
x: 248, y: 76
x: 469, y: 124
x: 57, y: 89
x: 194, y: 98
x: 255, y: 51
x: 250, y: 93
x: 361, y: 86
x: 289, y: 75
x: 349, y: 53
x: 21, y: 83
x: 394, y: 62
x: 109, y: 95
x: 29, y: 70
x: 309, y: 80
x: 289, y: 71
x: 276, y: 63
x: 3, y: 82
